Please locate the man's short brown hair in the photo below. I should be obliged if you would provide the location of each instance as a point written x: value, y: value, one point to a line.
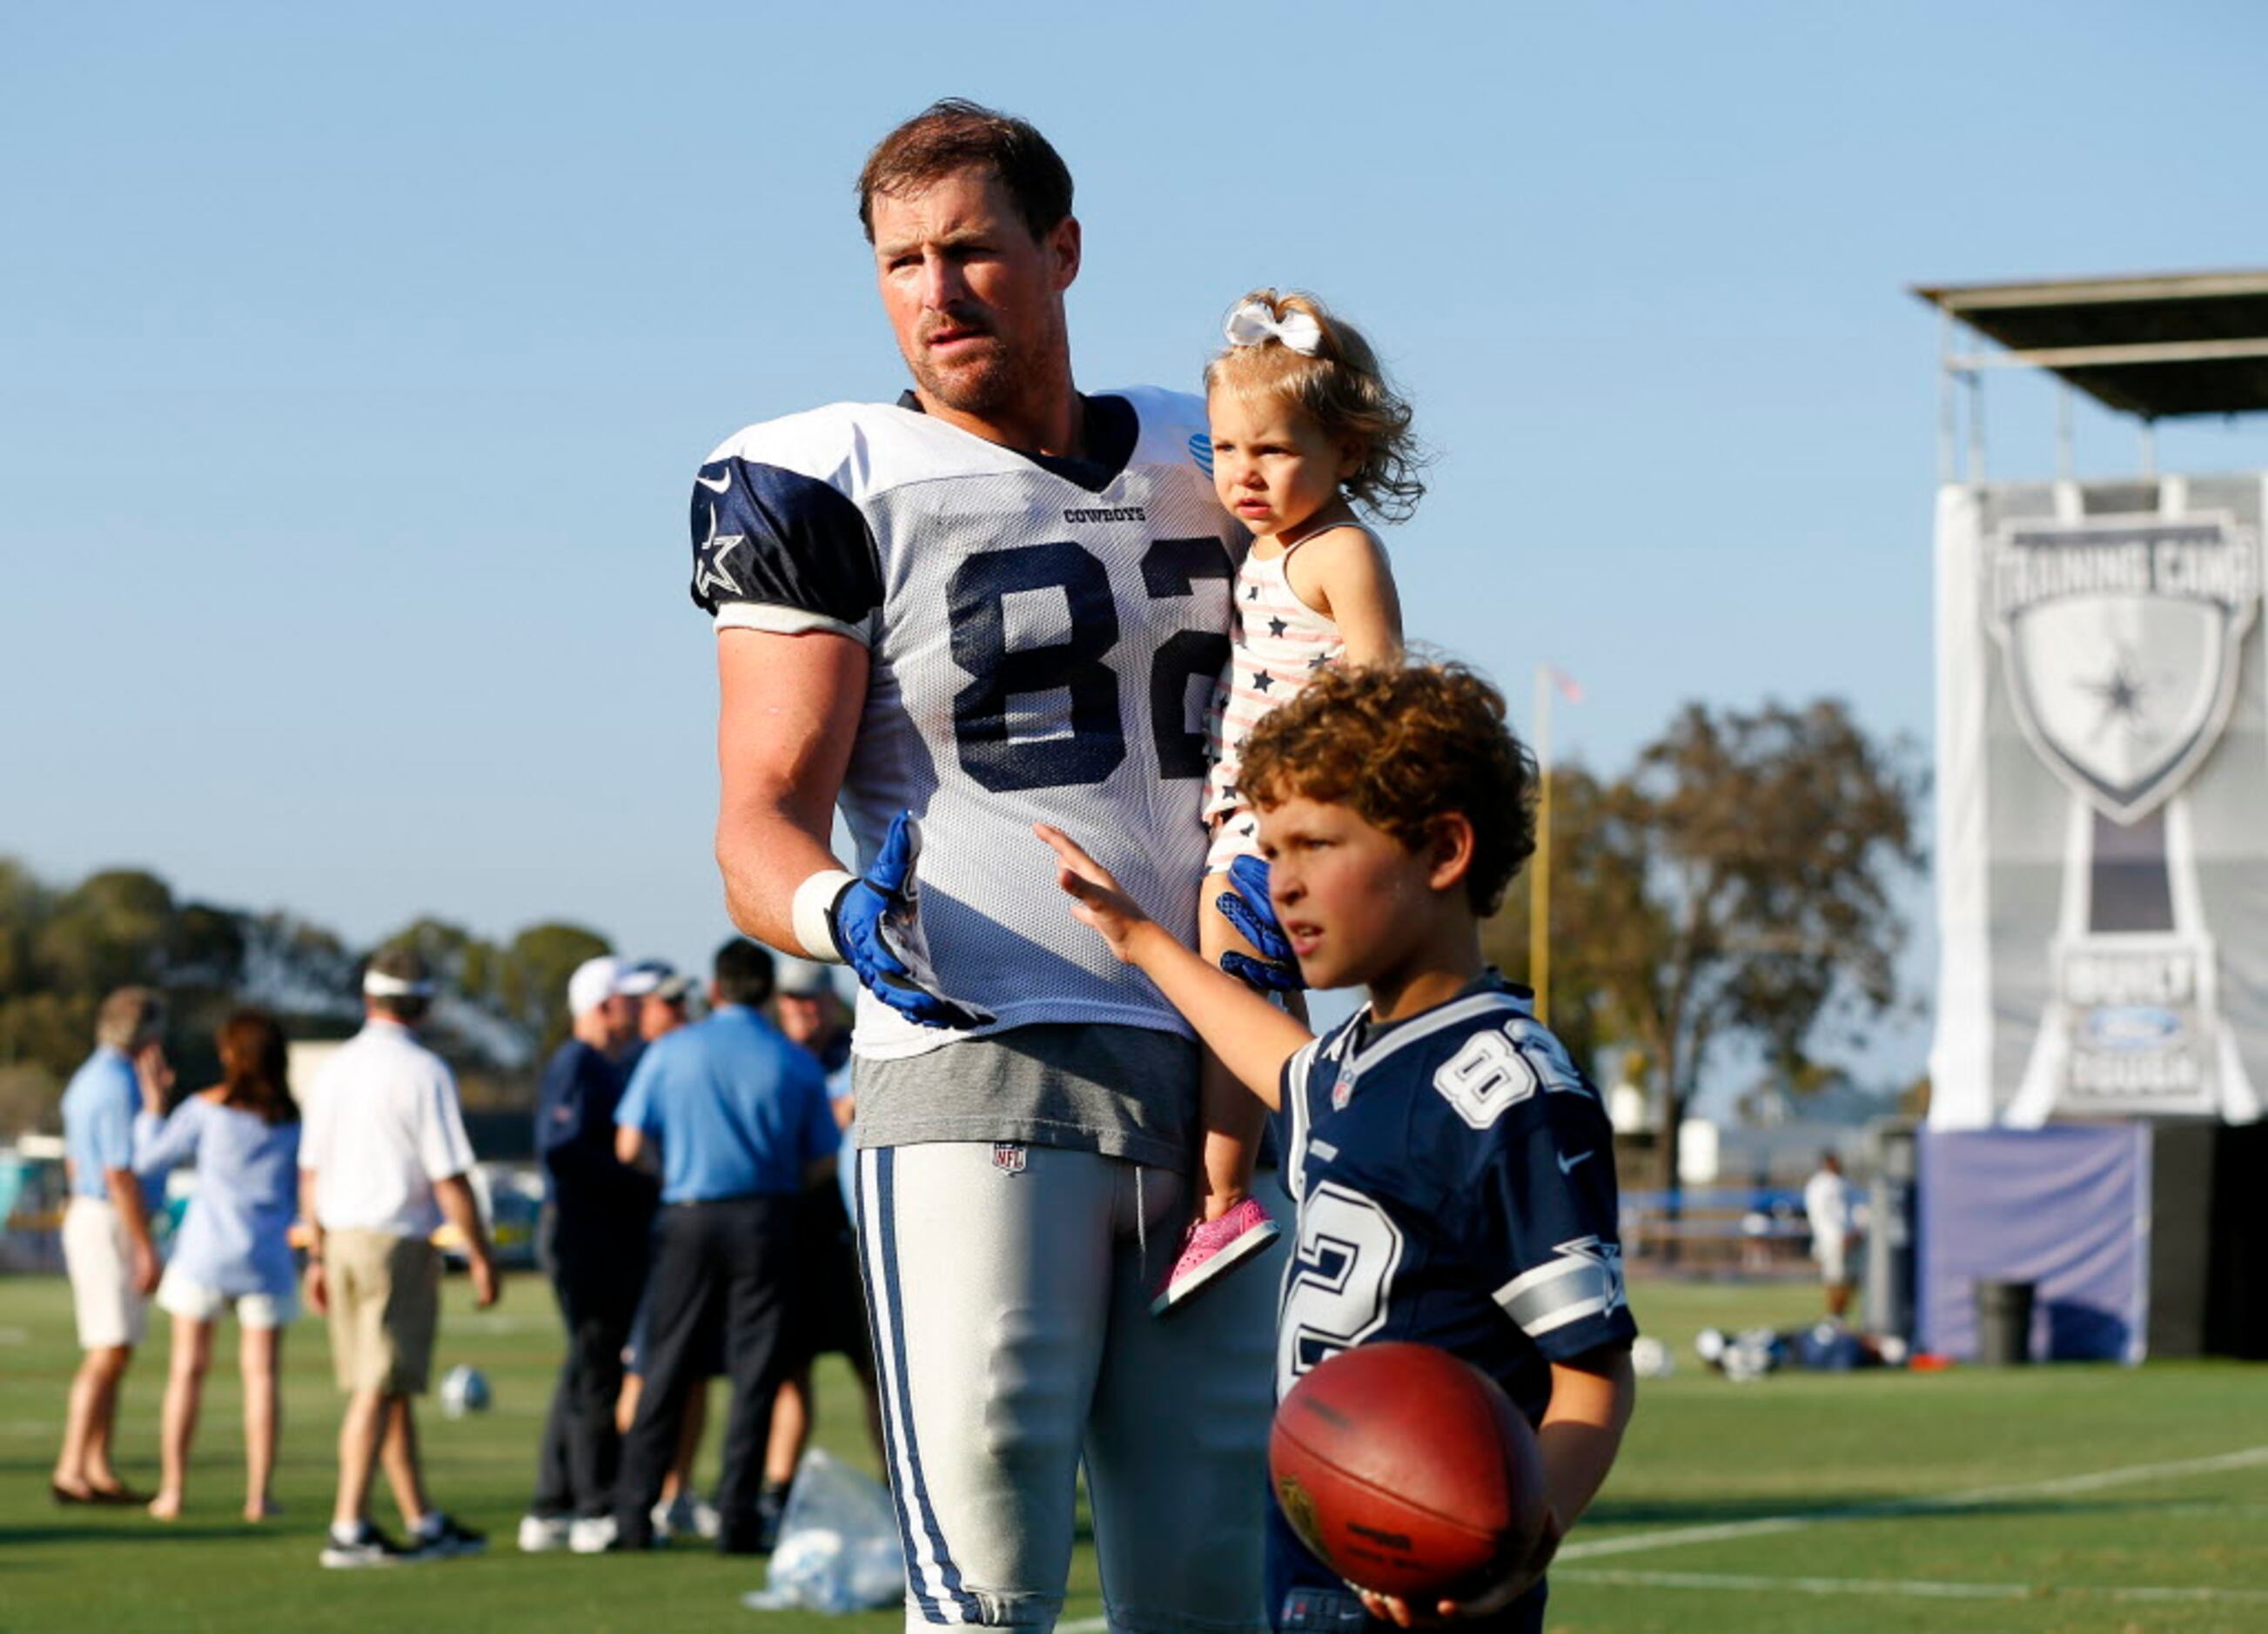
x: 1403, y: 747
x: 955, y: 135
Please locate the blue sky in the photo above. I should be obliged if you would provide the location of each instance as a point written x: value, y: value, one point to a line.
x: 354, y: 363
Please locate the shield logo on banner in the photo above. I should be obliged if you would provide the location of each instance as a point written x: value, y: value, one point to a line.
x: 2121, y: 640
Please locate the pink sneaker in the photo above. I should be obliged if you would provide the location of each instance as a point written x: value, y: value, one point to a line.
x: 1210, y: 1248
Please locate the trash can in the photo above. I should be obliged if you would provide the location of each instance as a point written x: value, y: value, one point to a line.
x: 2004, y: 1322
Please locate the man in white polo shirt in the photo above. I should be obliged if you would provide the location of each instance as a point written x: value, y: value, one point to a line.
x: 383, y: 1158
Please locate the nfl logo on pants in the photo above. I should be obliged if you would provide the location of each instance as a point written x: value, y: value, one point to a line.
x: 1008, y: 1156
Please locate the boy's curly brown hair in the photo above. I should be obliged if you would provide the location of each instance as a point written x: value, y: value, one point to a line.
x: 1404, y: 745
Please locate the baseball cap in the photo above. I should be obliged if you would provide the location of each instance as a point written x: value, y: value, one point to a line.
x: 645, y: 976
x: 674, y: 989
x: 802, y: 978
x: 595, y: 981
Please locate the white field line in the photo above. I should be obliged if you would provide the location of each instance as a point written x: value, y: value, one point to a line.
x: 1762, y: 1526
x: 1910, y: 1588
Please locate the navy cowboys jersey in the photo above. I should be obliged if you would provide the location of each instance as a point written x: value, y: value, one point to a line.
x: 1455, y: 1175
x: 1044, y: 636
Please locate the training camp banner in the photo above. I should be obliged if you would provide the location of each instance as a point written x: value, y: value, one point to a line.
x: 2101, y: 802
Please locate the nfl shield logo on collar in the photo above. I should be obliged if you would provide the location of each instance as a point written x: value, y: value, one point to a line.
x: 1009, y: 1156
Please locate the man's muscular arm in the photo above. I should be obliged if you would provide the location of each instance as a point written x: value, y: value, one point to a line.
x: 788, y: 713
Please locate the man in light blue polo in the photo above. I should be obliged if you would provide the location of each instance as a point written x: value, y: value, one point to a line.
x: 741, y: 1118
x: 107, y: 1245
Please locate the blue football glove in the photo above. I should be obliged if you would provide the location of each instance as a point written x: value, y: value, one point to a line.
x: 877, y: 921
x: 1246, y: 907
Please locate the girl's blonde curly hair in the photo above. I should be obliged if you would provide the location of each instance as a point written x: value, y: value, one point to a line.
x: 1343, y: 389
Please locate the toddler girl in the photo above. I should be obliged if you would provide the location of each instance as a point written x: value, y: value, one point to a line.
x: 1306, y: 430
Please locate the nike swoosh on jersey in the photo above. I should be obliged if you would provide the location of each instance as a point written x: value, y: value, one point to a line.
x: 718, y: 485
x: 1567, y: 1164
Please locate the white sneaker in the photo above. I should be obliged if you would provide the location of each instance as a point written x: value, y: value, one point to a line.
x: 706, y: 1521
x: 671, y: 1517
x: 542, y: 1535
x: 592, y: 1534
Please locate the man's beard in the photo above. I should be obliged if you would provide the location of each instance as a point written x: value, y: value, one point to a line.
x: 980, y: 387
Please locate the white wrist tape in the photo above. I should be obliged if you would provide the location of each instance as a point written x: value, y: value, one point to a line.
x: 808, y: 915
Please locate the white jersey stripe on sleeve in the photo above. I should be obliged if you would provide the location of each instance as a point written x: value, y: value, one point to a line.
x: 781, y: 620
x: 1583, y: 1279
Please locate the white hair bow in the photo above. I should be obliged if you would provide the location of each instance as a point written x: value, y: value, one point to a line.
x: 1253, y: 322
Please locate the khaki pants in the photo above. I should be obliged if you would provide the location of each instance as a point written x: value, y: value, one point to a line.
x: 385, y: 1303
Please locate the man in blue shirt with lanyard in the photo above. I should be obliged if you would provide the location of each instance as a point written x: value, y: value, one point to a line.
x: 107, y: 1246
x: 741, y: 1118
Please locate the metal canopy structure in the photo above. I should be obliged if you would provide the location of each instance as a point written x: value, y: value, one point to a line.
x: 2157, y: 347
x: 2154, y: 347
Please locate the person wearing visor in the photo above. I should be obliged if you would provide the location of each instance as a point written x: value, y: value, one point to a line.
x: 383, y: 1158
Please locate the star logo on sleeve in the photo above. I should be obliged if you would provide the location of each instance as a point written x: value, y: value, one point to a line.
x: 1277, y: 626
x: 712, y: 559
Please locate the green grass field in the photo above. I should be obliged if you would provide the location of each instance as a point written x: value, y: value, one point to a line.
x: 2066, y: 1498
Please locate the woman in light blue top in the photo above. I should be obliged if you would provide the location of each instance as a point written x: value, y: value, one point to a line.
x: 234, y: 1247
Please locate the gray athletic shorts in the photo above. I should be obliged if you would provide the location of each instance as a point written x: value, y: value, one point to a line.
x: 1126, y: 1092
x: 1009, y: 1290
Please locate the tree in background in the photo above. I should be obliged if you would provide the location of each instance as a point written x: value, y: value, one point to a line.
x: 531, y: 985
x: 61, y: 949
x: 1737, y: 884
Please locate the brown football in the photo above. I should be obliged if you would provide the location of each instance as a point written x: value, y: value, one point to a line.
x: 1407, y: 1471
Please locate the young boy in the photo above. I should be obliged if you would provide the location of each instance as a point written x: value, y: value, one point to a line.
x: 1454, y: 1171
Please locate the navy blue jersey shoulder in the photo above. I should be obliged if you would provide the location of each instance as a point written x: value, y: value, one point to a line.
x: 1455, y: 1179
x: 774, y: 537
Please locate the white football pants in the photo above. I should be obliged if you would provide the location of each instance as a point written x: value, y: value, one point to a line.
x: 1012, y: 1337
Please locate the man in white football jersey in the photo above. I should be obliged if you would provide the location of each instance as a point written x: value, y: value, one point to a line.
x: 995, y: 602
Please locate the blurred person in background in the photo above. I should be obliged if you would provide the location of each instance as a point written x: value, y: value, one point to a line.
x: 826, y: 1310
x: 597, y: 1212
x: 668, y: 1007
x: 234, y: 1246
x: 107, y: 1250
x: 1833, y: 1214
x: 742, y: 1120
x: 382, y: 1159
x: 665, y: 1007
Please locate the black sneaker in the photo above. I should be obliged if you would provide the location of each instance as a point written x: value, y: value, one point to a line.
x: 771, y: 1509
x: 443, y: 1538
x: 370, y: 1548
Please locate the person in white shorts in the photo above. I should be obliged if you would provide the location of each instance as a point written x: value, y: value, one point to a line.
x: 107, y: 1250
x: 1833, y: 1218
x: 995, y: 602
x: 235, y: 1247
